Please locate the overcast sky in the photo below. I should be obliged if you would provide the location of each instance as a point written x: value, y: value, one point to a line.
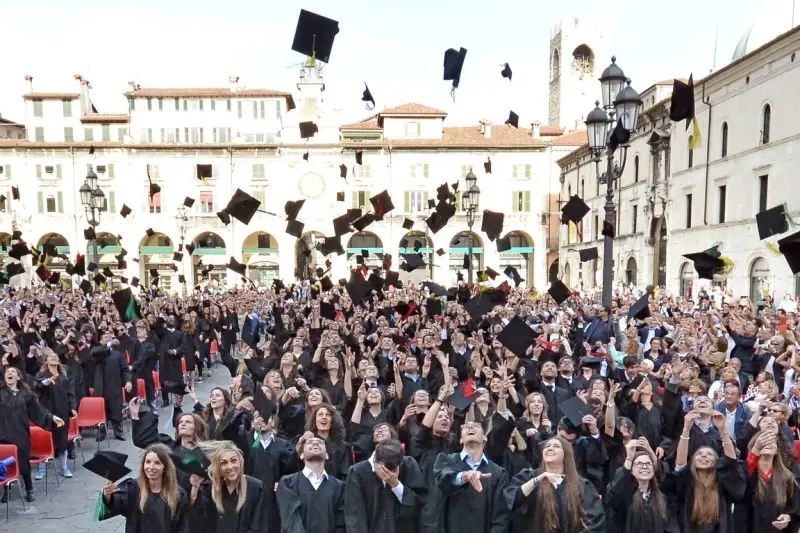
x: 396, y: 47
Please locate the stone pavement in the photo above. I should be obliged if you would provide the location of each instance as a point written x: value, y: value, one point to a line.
x: 70, y: 507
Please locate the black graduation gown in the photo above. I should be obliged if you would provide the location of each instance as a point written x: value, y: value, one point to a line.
x: 623, y: 518
x: 110, y: 375
x: 229, y: 327
x: 464, y: 509
x: 269, y: 466
x: 760, y: 515
x: 305, y: 510
x: 59, y: 399
x: 250, y: 519
x: 170, y: 364
x: 17, y: 411
x: 424, y: 448
x: 157, y: 516
x: 527, y: 517
x: 731, y: 483
x: 372, y: 507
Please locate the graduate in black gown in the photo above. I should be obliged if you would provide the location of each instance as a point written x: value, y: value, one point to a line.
x: 311, y: 500
x: 231, y: 502
x: 471, y: 487
x: 384, y: 494
x: 153, y: 503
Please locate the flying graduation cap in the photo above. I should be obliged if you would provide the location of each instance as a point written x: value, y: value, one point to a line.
x: 707, y: 262
x: 314, y: 36
x: 367, y: 97
x: 506, y: 72
x: 682, y: 108
x: 453, y: 64
x: 513, y: 119
x: 292, y: 208
x: 574, y: 210
x: 308, y: 129
x: 242, y: 207
x: 772, y: 222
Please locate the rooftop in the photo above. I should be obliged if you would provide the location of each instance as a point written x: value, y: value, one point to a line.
x: 214, y: 92
x: 51, y: 96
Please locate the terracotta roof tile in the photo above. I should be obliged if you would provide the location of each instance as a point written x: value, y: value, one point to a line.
x: 51, y: 96
x: 464, y: 137
x: 573, y: 138
x: 412, y: 109
x: 213, y: 92
x: 22, y: 143
x: 105, y: 118
x: 547, y: 130
x: 370, y: 123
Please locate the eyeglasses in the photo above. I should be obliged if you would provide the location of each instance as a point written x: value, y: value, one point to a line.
x: 643, y: 466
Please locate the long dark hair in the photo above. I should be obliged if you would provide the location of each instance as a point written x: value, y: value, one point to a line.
x: 659, y: 503
x: 546, y: 499
x: 337, y: 424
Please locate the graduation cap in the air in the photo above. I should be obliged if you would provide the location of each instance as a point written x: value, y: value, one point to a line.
x: 503, y: 243
x: 707, y: 262
x: 190, y: 248
x: 492, y: 224
x: 506, y: 72
x: 619, y: 136
x: 341, y: 225
x: 314, y: 35
x: 108, y: 465
x: 80, y: 265
x: 487, y: 166
x: 512, y: 273
x: 517, y: 336
x: 154, y: 189
x: 367, y: 97
x: 382, y: 204
x: 242, y: 206
x: 125, y: 211
x: 149, y: 232
x: 327, y: 310
x: 359, y: 157
x: 358, y: 289
x: 19, y: 250
x: 13, y: 269
x: 305, y: 156
x: 462, y: 399
x: 641, y: 308
x: 177, y: 256
x: 292, y: 208
x: 434, y: 288
x: 682, y: 107
x: 513, y: 119
x: 173, y: 387
x: 236, y: 266
x: 224, y: 217
x: 89, y: 234
x: 435, y: 222
x: 558, y: 291
x: 440, y: 252
x: 107, y: 272
x: 412, y: 262
x: 134, y: 281
x: 15, y: 193
x: 574, y: 410
x: 453, y: 64
x: 126, y: 305
x: 343, y: 171
x: 190, y: 463
x: 308, y: 129
x: 772, y: 222
x: 491, y: 273
x: 790, y: 248
x: 99, y: 278
x: 574, y: 210
x: 188, y: 202
x: 86, y: 286
x: 263, y: 405
x: 16, y: 235
x: 608, y: 230
x: 465, y: 263
x: 326, y: 283
x: 588, y: 254
x: 340, y: 196
x: 432, y: 203
x: 408, y: 224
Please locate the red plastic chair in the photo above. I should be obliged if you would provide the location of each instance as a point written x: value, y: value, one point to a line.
x: 12, y: 474
x: 141, y: 391
x: 92, y: 414
x: 74, y: 436
x: 183, y: 365
x: 43, y: 451
x: 156, y: 382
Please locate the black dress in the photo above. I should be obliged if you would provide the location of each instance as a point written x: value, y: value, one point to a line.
x: 249, y: 519
x: 304, y: 509
x: 157, y: 517
x: 18, y: 410
x: 624, y: 518
x: 59, y: 399
x: 761, y: 514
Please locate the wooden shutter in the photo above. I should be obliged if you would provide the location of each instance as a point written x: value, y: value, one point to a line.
x: 355, y: 199
x: 413, y: 171
x: 425, y: 170
x: 60, y: 201
x: 407, y: 201
x: 277, y: 109
x: 8, y: 171
x: 514, y: 201
x: 424, y: 200
x: 110, y: 170
x: 58, y: 170
x: 527, y: 201
x: 112, y: 204
x: 40, y: 201
x: 527, y: 171
x: 514, y: 171
x: 39, y: 173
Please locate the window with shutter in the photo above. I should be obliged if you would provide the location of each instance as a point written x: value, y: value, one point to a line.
x: 426, y: 170
x: 527, y: 171
x: 277, y: 109
x: 58, y: 170
x: 161, y: 104
x: 413, y: 171
x: 106, y: 129
x: 39, y: 134
x: 186, y: 105
x: 88, y: 134
x: 68, y: 135
x: 228, y: 102
x: 177, y: 104
x: 355, y: 199
x: 38, y: 171
x: 112, y: 202
x: 111, y: 170
x: 40, y: 201
x: 407, y: 202
x: 260, y: 196
x: 239, y: 108
x: 527, y: 201
x: 514, y: 171
x: 8, y: 171
x: 514, y: 201
x: 263, y: 109
x: 60, y: 201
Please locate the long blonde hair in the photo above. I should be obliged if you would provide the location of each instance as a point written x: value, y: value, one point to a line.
x: 169, y: 480
x: 527, y: 413
x: 705, y: 504
x: 546, y: 497
x: 214, y: 450
x: 782, y: 484
x: 47, y: 352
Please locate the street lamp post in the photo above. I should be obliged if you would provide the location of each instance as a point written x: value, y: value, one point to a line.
x: 181, y: 218
x: 469, y: 204
x: 94, y: 202
x: 620, y: 109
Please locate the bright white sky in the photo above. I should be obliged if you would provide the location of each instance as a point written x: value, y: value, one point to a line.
x: 396, y: 47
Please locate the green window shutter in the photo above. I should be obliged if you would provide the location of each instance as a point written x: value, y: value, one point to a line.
x: 58, y: 170
x: 133, y: 104
x: 277, y: 109
x: 112, y: 204
x: 514, y: 201
x: 406, y: 201
x: 38, y: 171
x: 514, y: 173
x: 177, y: 104
x: 413, y: 171
x: 527, y: 171
x: 186, y: 105
x: 355, y: 200
x: 425, y: 200
x: 425, y: 170
x: 255, y: 109
x: 201, y: 136
x: 110, y: 170
x: 215, y: 132
x: 263, y: 109
x: 213, y: 105
x: 161, y: 104
x: 527, y: 201
x: 60, y: 201
x: 228, y: 101
x: 201, y: 105
x: 40, y: 201
x: 8, y: 171
x: 239, y: 108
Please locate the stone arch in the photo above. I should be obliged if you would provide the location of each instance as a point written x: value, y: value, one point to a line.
x: 583, y: 61
x: 364, y: 241
x: 520, y: 255
x: 260, y: 254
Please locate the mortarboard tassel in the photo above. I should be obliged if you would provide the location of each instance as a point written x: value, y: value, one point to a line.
x: 100, y: 510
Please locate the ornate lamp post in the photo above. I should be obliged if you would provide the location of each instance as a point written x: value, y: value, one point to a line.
x: 94, y: 202
x: 469, y: 204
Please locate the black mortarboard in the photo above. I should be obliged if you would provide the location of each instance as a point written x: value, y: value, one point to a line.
x: 86, y: 286
x: 574, y: 210
x: 706, y: 263
x: 125, y: 211
x: 412, y: 261
x: 558, y: 291
x: 682, y: 102
x: 465, y: 263
x: 177, y: 256
x: 126, y: 305
x: 435, y: 222
x: 224, y: 217
x: 433, y: 307
x: 408, y: 223
x: 640, y: 309
x: 190, y: 463
x: 487, y: 166
x: 326, y: 283
x: 358, y: 289
x: 513, y: 119
x: 382, y: 204
x: 305, y: 156
x: 134, y: 281
x: 790, y: 248
x: 460, y: 401
x: 14, y: 193
x: 392, y: 279
x: 54, y: 278
x: 332, y: 245
x: 107, y: 272
x: 99, y: 278
x: 340, y: 196
x: 592, y: 361
x: 432, y: 203
x: 341, y: 225
x: 265, y: 407
x: 13, y: 269
x: 512, y: 273
x: 491, y: 273
x: 190, y: 248
x: 19, y: 250
x: 367, y: 97
x: 89, y: 234
x: 772, y: 222
x: 619, y: 136
x: 149, y: 232
x: 506, y: 72
x: 440, y: 252
x: 327, y: 310
x: 314, y: 35
x: 188, y: 202
x: 236, y: 266
x: 292, y: 208
x: 435, y: 288
x: 492, y: 224
x: 308, y: 129
x: 359, y: 157
x: 588, y: 254
x: 575, y: 409
x: 360, y: 259
x: 154, y: 188
x: 16, y: 235
x: 364, y: 221
x: 517, y: 336
x: 181, y: 389
x: 108, y: 465
x: 91, y: 267
x: 80, y: 266
x: 453, y: 64
x: 242, y: 206
x: 122, y: 279
x: 608, y: 230
x: 343, y: 171
x: 503, y: 243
